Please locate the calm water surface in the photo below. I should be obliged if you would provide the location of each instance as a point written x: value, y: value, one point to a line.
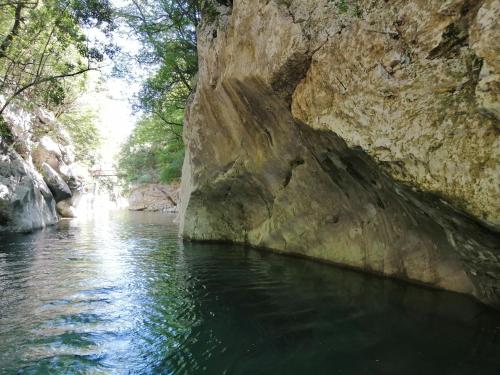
x: 122, y: 294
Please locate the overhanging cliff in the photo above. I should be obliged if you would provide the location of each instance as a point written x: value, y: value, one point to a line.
x: 360, y: 133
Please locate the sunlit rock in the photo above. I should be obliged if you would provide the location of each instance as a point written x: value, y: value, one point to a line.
x: 44, y: 116
x: 26, y: 202
x: 47, y: 151
x: 20, y: 123
x: 66, y: 209
x: 484, y: 35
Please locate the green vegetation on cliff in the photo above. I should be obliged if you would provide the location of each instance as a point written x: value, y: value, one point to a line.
x: 45, y: 57
x: 153, y: 153
x: 44, y: 51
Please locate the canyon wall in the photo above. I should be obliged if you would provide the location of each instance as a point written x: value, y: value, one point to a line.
x: 362, y: 133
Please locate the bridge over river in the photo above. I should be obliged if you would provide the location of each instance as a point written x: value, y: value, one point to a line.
x: 105, y: 172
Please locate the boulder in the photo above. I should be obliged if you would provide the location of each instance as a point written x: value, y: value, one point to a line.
x: 56, y: 184
x: 66, y: 209
x: 47, y: 151
x: 74, y: 175
x: 44, y: 117
x: 154, y: 197
x: 68, y: 153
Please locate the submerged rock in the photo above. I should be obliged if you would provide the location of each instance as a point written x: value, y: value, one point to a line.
x: 356, y: 136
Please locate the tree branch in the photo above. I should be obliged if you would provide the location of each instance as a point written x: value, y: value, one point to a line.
x: 13, y: 31
x: 40, y: 81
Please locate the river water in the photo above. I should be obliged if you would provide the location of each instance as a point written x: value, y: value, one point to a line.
x: 121, y: 294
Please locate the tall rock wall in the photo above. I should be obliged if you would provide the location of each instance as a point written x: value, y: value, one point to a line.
x: 363, y: 133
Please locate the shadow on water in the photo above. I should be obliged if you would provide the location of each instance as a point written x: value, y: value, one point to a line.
x: 122, y: 294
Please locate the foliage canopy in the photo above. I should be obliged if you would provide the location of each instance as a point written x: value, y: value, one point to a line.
x: 42, y: 46
x: 167, y: 31
x: 45, y: 56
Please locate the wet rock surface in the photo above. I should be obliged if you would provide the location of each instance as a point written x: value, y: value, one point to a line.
x: 314, y: 132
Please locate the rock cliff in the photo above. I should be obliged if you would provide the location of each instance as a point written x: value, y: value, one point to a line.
x: 26, y: 202
x: 39, y: 177
x: 362, y: 133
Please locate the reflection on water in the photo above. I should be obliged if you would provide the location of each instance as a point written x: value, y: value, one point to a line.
x: 122, y: 294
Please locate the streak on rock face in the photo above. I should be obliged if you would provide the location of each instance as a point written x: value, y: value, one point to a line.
x: 260, y: 173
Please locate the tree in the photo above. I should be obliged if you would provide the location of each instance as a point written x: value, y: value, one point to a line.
x: 152, y: 153
x: 86, y: 138
x: 42, y: 44
x: 167, y: 30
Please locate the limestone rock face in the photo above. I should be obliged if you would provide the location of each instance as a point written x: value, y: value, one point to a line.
x: 366, y: 136
x: 44, y: 147
x: 416, y: 86
x: 26, y: 202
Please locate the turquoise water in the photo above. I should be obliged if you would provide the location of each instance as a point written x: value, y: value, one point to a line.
x: 121, y: 294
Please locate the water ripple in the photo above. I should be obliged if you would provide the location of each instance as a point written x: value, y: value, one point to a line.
x: 123, y: 295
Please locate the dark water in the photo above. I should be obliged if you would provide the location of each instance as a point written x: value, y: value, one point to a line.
x: 123, y: 295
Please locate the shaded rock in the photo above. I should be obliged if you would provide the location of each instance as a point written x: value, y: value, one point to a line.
x: 350, y: 137
x: 56, y: 184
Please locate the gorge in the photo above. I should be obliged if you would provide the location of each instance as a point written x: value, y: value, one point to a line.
x: 250, y: 186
